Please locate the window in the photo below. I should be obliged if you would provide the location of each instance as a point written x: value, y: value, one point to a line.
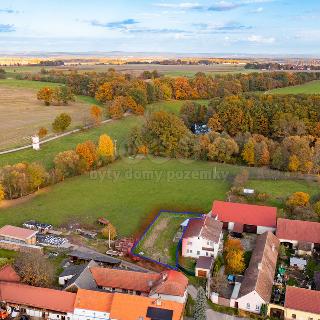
x: 207, y: 253
x: 257, y: 308
x: 248, y: 306
x: 190, y: 251
x: 208, y: 243
x: 189, y: 243
x: 310, y: 318
x: 198, y: 253
x: 293, y: 316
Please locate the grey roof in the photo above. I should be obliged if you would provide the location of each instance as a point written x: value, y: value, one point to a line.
x: 83, y: 280
x: 98, y: 257
x: 72, y: 270
x: 204, y: 262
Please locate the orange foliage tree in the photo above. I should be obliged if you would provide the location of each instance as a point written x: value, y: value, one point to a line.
x: 87, y: 151
x: 42, y: 132
x: 46, y: 95
x: 96, y: 114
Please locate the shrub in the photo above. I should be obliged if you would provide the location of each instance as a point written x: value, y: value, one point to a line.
x: 61, y: 122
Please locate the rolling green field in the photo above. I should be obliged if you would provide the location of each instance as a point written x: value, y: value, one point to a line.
x: 312, y: 87
x: 125, y: 193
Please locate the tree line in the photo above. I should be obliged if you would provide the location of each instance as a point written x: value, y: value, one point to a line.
x: 25, y: 178
x: 280, y: 132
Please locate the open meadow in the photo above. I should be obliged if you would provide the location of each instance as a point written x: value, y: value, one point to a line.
x: 22, y: 115
x: 307, y: 88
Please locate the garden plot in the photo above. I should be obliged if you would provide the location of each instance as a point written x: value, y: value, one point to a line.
x: 159, y: 242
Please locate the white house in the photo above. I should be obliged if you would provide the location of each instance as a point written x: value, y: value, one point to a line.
x: 202, y: 238
x: 256, y: 286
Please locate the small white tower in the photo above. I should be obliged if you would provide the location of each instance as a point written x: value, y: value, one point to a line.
x: 35, y: 142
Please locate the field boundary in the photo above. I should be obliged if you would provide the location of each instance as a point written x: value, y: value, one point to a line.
x: 177, y: 266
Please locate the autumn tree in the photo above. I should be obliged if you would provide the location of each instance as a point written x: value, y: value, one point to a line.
x: 88, y: 152
x: 96, y: 114
x: 214, y: 123
x: 298, y: 199
x: 105, y: 92
x: 234, y: 256
x: 37, y: 175
x: 68, y: 163
x: 248, y: 152
x: 316, y: 207
x: 218, y: 282
x: 109, y: 231
x: 2, y: 194
x: 106, y: 148
x: 61, y: 122
x: 35, y: 269
x: 46, y: 95
x: 241, y: 179
x: 42, y: 132
x: 294, y: 163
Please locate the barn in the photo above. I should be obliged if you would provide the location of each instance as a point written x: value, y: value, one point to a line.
x: 241, y: 217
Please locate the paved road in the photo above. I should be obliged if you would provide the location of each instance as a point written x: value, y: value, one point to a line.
x: 211, y: 314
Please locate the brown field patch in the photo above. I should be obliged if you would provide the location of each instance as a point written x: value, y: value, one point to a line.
x: 22, y: 115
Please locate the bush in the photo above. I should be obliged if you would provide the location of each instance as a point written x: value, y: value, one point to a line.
x: 61, y: 122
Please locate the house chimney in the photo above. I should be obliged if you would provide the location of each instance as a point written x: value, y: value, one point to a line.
x: 259, y: 266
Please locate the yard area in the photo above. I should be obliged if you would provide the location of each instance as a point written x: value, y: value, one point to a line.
x: 161, y: 240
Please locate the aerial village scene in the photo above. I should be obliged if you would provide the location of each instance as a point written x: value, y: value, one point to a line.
x: 159, y: 160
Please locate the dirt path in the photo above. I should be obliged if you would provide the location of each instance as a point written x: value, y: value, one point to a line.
x: 15, y: 202
x: 152, y: 237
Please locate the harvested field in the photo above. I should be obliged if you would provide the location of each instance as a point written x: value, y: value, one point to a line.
x: 22, y: 115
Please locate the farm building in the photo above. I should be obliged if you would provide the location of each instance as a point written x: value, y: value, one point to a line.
x: 239, y: 217
x: 301, y: 235
x: 169, y: 285
x: 256, y: 286
x: 202, y: 237
x: 18, y: 239
x: 8, y: 274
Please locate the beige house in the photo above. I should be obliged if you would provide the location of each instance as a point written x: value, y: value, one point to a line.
x: 300, y: 304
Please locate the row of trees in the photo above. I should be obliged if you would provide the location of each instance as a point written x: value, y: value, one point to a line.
x: 169, y: 135
x: 106, y: 86
x: 24, y: 178
x: 61, y: 95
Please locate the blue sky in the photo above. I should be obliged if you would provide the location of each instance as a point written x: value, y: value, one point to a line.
x: 222, y: 26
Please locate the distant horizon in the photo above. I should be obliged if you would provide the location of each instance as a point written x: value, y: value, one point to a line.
x: 242, y: 27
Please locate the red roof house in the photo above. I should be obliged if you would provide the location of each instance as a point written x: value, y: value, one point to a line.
x: 298, y: 230
x: 8, y: 274
x: 253, y: 218
x: 302, y: 300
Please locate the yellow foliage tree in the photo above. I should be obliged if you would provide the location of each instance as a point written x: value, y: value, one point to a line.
x: 109, y: 230
x: 294, y: 163
x: 298, y: 199
x: 235, y: 261
x: 2, y: 194
x: 248, y: 152
x: 105, y: 92
x: 106, y: 148
x: 214, y: 123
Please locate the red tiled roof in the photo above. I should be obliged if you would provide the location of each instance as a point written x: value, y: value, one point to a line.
x: 136, y: 307
x: 168, y: 282
x: 298, y: 230
x: 173, y: 283
x: 245, y: 213
x: 130, y: 280
x: 8, y: 274
x: 207, y: 228
x: 16, y: 232
x: 93, y: 300
x: 41, y: 298
x: 302, y: 299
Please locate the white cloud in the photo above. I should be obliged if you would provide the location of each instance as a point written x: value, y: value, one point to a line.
x: 258, y: 10
x: 182, y: 5
x: 260, y: 39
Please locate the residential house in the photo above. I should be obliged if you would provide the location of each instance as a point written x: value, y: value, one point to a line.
x: 240, y: 217
x: 202, y: 237
x: 256, y: 286
x: 78, y: 277
x: 168, y: 285
x: 85, y: 304
x: 38, y: 302
x: 301, y: 235
x: 87, y: 256
x: 300, y: 304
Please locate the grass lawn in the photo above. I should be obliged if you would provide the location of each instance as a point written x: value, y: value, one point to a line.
x: 312, y: 87
x: 171, y: 106
x: 128, y: 200
x: 158, y: 243
x: 7, y: 254
x: 118, y: 130
x: 29, y: 84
